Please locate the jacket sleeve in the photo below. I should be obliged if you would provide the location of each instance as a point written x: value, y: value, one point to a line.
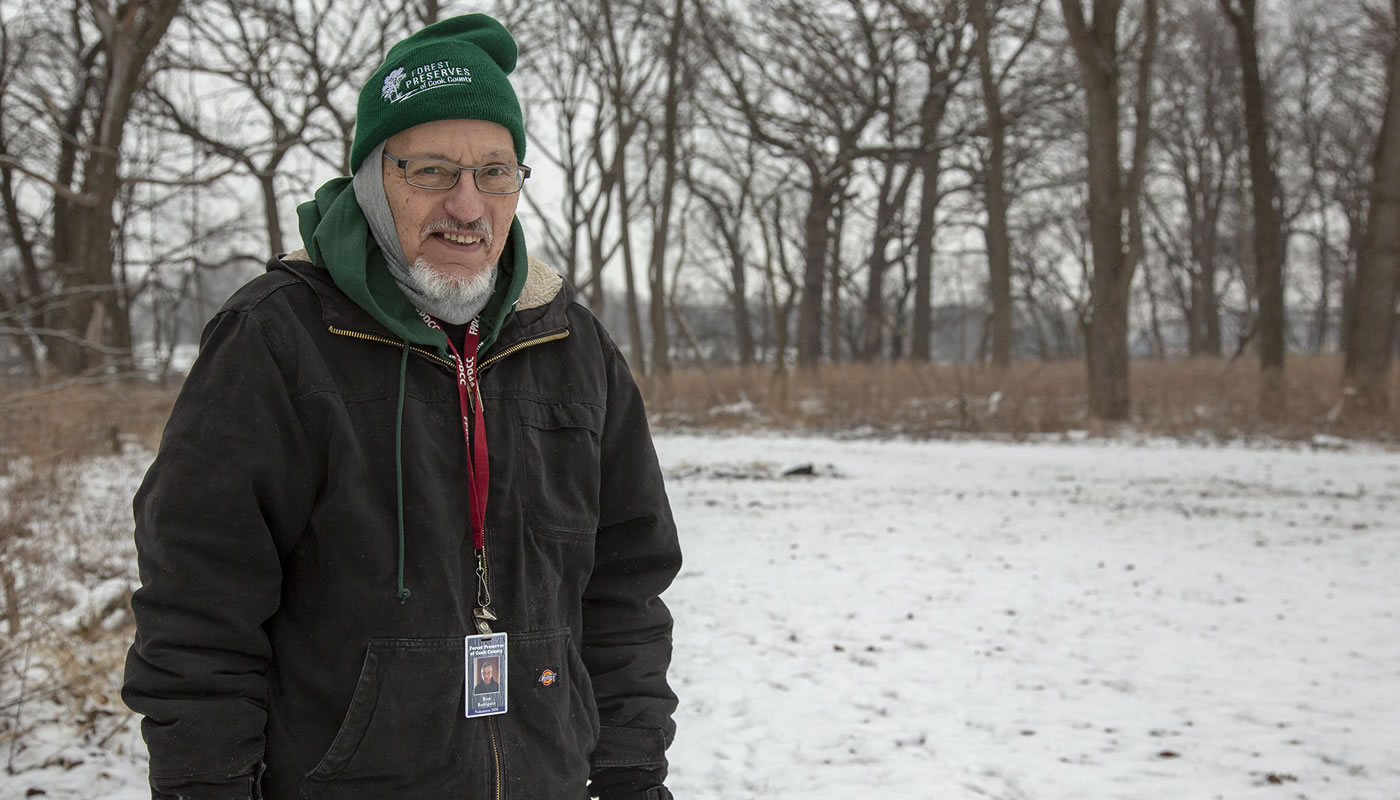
x: 230, y: 479
x: 626, y: 627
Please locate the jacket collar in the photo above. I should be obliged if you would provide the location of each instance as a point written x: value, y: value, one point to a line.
x: 541, y: 309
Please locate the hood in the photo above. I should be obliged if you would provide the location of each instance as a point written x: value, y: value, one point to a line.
x: 338, y: 240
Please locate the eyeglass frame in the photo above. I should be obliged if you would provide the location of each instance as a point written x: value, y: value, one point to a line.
x: 402, y: 164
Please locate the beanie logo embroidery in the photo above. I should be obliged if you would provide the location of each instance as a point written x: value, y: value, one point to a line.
x: 390, y: 91
x: 400, y: 85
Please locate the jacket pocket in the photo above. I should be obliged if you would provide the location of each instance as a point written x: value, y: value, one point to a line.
x: 405, y: 733
x: 560, y: 448
x: 549, y: 733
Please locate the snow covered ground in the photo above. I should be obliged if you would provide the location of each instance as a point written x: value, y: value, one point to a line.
x: 987, y: 620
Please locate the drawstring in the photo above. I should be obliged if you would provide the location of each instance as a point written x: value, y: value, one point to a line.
x: 398, y: 465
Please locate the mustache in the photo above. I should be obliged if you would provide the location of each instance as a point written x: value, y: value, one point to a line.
x: 479, y: 226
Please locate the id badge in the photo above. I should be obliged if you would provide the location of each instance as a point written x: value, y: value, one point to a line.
x: 486, y: 675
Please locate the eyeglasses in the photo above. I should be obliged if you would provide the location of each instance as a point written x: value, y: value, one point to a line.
x: 428, y: 173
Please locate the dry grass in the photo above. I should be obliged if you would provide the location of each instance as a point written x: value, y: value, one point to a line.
x: 1196, y: 397
x: 81, y: 420
x: 61, y: 551
x: 1175, y: 398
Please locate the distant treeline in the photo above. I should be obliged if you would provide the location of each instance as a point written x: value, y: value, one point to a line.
x: 1090, y: 179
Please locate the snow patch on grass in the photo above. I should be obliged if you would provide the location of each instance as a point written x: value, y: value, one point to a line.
x: 960, y: 619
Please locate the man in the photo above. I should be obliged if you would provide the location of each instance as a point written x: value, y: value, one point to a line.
x: 486, y: 682
x: 400, y: 451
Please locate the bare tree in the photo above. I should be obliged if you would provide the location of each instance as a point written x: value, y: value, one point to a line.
x: 575, y: 103
x: 1198, y: 137
x: 67, y: 105
x: 628, y: 77
x: 1371, y: 342
x: 725, y: 186
x: 598, y: 114
x: 810, y: 98
x: 672, y: 56
x: 891, y: 177
x: 888, y: 222
x: 1353, y: 130
x: 114, y: 66
x: 1266, y: 197
x: 277, y: 66
x: 997, y: 232
x: 782, y: 283
x: 1095, y: 42
x: 1329, y: 79
x: 22, y: 291
x: 1057, y: 300
x: 425, y: 12
x: 942, y: 37
x: 1310, y: 42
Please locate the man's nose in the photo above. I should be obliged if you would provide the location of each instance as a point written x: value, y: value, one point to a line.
x: 465, y: 201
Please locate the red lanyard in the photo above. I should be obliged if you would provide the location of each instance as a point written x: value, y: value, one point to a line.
x: 469, y: 395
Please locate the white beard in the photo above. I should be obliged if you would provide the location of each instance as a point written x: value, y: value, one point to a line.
x: 451, y: 299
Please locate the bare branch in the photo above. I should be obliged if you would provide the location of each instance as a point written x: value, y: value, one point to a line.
x: 77, y: 198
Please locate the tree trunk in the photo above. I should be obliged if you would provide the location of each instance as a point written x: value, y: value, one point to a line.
x: 1159, y: 343
x: 743, y: 323
x: 1106, y: 334
x: 729, y: 217
x: 68, y: 214
x: 1371, y: 341
x: 129, y: 34
x: 1209, y: 297
x: 427, y: 11
x: 1268, y: 228
x: 780, y: 310
x: 997, y: 233
x: 821, y: 205
x: 596, y: 299
x: 14, y: 619
x: 1356, y: 243
x: 834, y: 284
x: 1322, y: 315
x: 637, y: 350
x: 875, y: 319
x: 31, y: 285
x: 660, y: 340
x: 273, y: 221
x: 921, y: 335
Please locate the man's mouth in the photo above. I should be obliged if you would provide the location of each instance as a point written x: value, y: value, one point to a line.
x: 461, y: 238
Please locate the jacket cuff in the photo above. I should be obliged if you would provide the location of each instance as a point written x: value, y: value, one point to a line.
x: 245, y: 786
x: 654, y: 793
x: 629, y: 784
x: 643, y: 748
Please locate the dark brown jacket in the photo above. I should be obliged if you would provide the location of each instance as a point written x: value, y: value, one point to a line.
x: 270, y: 638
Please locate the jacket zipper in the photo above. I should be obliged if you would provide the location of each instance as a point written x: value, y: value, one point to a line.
x: 369, y: 337
x: 495, y: 754
x: 509, y: 351
x: 518, y: 346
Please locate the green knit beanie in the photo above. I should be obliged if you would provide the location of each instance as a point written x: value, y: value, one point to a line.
x: 453, y: 69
